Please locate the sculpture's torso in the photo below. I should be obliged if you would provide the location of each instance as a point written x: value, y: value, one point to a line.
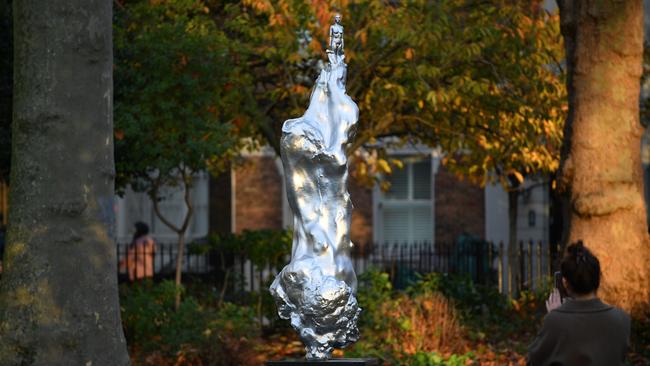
x: 336, y: 41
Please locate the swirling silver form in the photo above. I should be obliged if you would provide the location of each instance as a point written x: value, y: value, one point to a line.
x: 316, y: 290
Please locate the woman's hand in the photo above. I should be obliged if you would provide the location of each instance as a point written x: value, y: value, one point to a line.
x: 554, y: 300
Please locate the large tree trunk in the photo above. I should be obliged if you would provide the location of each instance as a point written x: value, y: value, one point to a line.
x: 6, y: 84
x: 58, y: 297
x: 601, y: 167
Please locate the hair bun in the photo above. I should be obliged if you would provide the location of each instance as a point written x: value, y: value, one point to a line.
x: 577, y: 250
x: 581, y: 268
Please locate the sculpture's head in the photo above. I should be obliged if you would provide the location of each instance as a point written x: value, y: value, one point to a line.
x: 337, y: 18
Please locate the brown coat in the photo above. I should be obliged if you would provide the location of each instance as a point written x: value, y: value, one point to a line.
x: 582, y: 333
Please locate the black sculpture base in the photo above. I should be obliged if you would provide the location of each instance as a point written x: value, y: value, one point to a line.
x: 330, y: 362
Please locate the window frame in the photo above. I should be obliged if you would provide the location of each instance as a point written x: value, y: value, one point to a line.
x: 381, y: 201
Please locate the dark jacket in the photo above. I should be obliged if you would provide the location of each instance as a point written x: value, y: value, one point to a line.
x: 582, y: 333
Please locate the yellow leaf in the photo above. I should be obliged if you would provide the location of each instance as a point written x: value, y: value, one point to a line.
x: 408, y: 54
x: 362, y: 35
x: 421, y: 104
x: 519, y: 177
x: 384, y: 166
x: 516, y: 305
x: 315, y: 46
x: 397, y: 163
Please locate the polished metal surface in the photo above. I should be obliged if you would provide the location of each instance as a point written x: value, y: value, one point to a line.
x: 337, y: 43
x: 316, y: 290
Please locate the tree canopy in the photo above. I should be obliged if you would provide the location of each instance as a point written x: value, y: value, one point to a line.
x: 176, y: 94
x: 481, y: 80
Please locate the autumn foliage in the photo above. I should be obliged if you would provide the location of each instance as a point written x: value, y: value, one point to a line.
x: 426, y: 323
x: 481, y: 80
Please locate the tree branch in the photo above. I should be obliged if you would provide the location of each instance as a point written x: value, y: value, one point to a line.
x: 186, y: 196
x: 154, y: 199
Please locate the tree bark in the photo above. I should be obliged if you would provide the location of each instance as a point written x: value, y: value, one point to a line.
x: 601, y: 162
x: 58, y: 296
x: 6, y: 84
x: 179, y: 269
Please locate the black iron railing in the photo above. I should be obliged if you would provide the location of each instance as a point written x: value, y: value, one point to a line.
x: 484, y: 262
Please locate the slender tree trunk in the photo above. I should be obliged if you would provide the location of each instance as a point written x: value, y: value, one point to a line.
x: 601, y: 165
x: 58, y: 296
x: 180, y: 230
x: 179, y: 268
x: 514, y: 278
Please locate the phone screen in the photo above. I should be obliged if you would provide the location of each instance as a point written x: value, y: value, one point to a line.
x: 559, y: 285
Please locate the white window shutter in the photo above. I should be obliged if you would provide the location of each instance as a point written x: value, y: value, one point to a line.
x: 396, y: 224
x: 406, y: 210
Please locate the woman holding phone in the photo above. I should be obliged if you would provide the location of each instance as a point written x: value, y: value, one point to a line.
x: 580, y: 330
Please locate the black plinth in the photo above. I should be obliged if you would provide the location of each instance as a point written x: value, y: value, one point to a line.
x: 330, y: 362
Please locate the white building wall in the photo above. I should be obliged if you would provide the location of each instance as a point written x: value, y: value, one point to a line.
x: 534, y: 198
x: 496, y: 214
x: 533, y: 213
x: 136, y: 206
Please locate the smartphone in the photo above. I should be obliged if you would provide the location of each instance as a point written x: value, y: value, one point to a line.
x: 559, y: 285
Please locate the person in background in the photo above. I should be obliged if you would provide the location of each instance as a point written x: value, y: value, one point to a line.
x: 140, y: 256
x: 582, y: 330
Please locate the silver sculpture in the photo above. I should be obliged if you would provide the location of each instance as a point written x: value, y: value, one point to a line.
x: 316, y: 290
x: 336, y: 36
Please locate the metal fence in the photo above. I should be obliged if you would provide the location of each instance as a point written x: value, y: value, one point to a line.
x: 159, y: 263
x: 484, y: 262
x: 404, y: 262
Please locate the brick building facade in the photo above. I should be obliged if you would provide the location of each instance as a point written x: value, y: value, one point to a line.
x: 252, y: 197
x: 460, y: 207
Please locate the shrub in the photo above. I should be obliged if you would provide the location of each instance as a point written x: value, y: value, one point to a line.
x: 434, y: 359
x: 438, y: 315
x: 266, y: 249
x: 425, y: 323
x: 156, y: 332
x: 483, y: 310
x: 374, y: 290
x: 475, y: 303
x: 403, y: 329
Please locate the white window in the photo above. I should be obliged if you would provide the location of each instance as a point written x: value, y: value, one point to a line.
x: 137, y: 206
x: 405, y: 212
